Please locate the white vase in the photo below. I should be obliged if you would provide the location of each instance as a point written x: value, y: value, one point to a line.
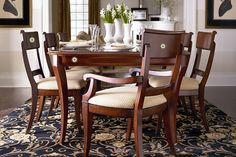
x: 165, y: 12
x: 127, y: 33
x: 118, y: 36
x: 108, y: 30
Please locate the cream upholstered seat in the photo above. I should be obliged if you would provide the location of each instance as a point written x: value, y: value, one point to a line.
x: 189, y: 84
x: 158, y: 81
x: 50, y: 83
x: 124, y: 97
x: 186, y: 84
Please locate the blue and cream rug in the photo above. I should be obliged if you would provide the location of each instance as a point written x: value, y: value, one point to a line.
x: 109, y: 136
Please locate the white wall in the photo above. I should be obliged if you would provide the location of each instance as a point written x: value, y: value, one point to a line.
x: 12, y: 71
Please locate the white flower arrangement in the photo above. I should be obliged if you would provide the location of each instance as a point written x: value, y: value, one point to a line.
x: 123, y: 12
x: 108, y: 15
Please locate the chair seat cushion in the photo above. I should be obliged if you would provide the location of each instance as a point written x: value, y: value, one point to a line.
x: 158, y: 81
x: 123, y: 97
x: 89, y: 69
x: 189, y: 84
x: 186, y: 84
x: 74, y: 81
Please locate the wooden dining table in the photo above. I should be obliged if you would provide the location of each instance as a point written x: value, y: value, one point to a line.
x: 63, y: 58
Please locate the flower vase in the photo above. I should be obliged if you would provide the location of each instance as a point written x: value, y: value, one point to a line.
x: 165, y: 12
x: 118, y: 37
x: 127, y: 33
x: 109, y: 30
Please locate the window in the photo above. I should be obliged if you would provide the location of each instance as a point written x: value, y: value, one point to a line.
x: 79, y: 17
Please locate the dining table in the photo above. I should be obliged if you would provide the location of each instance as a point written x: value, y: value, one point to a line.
x: 76, y: 56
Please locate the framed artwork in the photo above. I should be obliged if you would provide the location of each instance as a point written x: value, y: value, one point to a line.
x: 139, y: 14
x: 15, y: 13
x: 220, y: 14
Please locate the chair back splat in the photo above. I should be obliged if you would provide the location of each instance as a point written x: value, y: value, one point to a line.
x: 50, y: 43
x: 31, y: 42
x: 136, y: 102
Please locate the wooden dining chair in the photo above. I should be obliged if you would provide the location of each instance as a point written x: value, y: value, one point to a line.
x: 192, y: 86
x: 42, y: 86
x: 161, y: 75
x: 195, y: 84
x: 142, y: 100
x: 62, y: 36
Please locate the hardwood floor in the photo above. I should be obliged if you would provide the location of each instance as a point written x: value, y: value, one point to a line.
x: 222, y: 97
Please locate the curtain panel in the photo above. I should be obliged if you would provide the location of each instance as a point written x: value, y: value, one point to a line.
x: 94, y: 12
x: 64, y: 17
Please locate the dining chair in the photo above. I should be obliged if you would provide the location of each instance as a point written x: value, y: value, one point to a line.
x: 142, y: 100
x: 195, y: 84
x: 62, y: 36
x: 161, y: 75
x: 42, y: 86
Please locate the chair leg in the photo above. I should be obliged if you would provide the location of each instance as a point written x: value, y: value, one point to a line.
x: 53, y: 99
x: 159, y: 123
x: 192, y: 101
x: 169, y: 118
x: 138, y: 134
x: 57, y: 101
x: 129, y: 128
x: 40, y: 108
x: 87, y: 123
x: 183, y: 102
x: 202, y: 111
x: 33, y: 111
x: 77, y: 102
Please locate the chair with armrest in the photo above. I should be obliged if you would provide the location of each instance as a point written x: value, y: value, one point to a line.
x: 42, y: 86
x: 161, y: 75
x: 136, y: 102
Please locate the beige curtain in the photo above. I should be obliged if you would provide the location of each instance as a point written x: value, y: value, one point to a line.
x: 94, y: 12
x: 64, y: 17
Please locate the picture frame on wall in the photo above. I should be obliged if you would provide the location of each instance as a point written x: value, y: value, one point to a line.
x: 220, y: 14
x: 15, y: 13
x: 140, y: 14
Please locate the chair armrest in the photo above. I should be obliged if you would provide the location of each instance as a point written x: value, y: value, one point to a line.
x: 134, y: 71
x: 92, y: 78
x: 126, y: 80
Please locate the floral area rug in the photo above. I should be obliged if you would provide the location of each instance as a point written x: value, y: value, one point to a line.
x: 108, y: 137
